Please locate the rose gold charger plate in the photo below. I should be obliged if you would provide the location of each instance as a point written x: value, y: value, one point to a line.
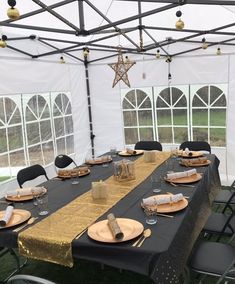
x: 99, y: 162
x: 189, y: 179
x: 19, y: 216
x: 125, y: 154
x: 19, y: 198
x: 194, y: 154
x: 168, y: 207
x: 196, y: 165
x: 100, y: 231
x: 71, y: 176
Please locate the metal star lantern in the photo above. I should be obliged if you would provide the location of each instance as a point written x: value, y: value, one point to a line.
x: 121, y: 68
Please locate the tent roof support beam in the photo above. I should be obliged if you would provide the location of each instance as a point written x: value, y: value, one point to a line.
x: 136, y: 17
x: 20, y: 51
x: 197, y: 48
x: 54, y: 47
x: 26, y: 15
x: 200, y: 2
x: 110, y: 23
x: 28, y: 27
x: 151, y: 46
x: 55, y: 14
x: 81, y: 15
x: 157, y: 43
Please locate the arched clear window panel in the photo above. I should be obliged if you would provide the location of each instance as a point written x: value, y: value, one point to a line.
x: 39, y: 129
x: 171, y: 112
x: 63, y: 123
x: 11, y: 136
x: 27, y: 133
x: 138, y: 115
x: 208, y: 114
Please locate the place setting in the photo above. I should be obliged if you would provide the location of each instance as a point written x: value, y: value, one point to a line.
x: 11, y: 217
x: 115, y: 230
x: 24, y: 194
x: 103, y: 160
x: 73, y: 173
x: 189, y: 154
x: 195, y: 162
x: 130, y: 152
x: 185, y: 178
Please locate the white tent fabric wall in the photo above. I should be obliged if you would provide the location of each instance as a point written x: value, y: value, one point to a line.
x: 32, y: 76
x: 106, y: 107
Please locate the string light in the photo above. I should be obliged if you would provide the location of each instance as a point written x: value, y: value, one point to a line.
x: 158, y: 55
x: 3, y: 41
x: 179, y: 24
x: 218, y: 51
x: 62, y: 60
x: 86, y: 52
x: 204, y: 44
x: 12, y: 12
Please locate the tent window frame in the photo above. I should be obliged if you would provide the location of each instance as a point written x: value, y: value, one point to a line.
x: 45, y: 144
x: 172, y: 106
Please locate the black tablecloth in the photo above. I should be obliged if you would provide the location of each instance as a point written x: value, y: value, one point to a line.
x: 163, y: 255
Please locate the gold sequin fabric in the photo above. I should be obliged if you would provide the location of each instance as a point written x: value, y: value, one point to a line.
x: 50, y: 240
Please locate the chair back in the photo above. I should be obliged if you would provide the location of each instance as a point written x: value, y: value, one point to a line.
x: 196, y: 146
x: 63, y: 161
x: 30, y: 173
x: 148, y: 145
x: 28, y: 279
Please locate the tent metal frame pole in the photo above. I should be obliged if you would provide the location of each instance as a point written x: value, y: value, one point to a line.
x: 48, y: 44
x: 112, y: 24
x: 92, y: 136
x: 55, y: 14
x: 200, y: 2
x: 26, y: 15
x: 81, y: 15
x: 132, y: 18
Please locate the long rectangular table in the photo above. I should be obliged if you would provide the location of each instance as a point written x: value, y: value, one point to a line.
x: 163, y: 255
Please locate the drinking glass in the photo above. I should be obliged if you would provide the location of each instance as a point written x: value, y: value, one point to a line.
x: 105, y: 161
x: 35, y: 195
x: 156, y: 182
x: 75, y: 178
x: 113, y: 151
x: 42, y: 204
x: 150, y: 215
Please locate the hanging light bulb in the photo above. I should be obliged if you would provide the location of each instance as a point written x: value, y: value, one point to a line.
x: 86, y: 52
x: 127, y: 60
x: 3, y: 41
x: 12, y: 12
x: 179, y: 24
x: 218, y: 51
x: 158, y: 55
x: 62, y: 60
x: 204, y: 44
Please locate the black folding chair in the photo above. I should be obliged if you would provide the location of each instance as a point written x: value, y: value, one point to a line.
x: 63, y: 161
x: 30, y: 173
x: 221, y: 224
x: 28, y: 279
x: 214, y: 259
x: 196, y: 146
x: 148, y: 145
x: 19, y: 264
x: 225, y: 196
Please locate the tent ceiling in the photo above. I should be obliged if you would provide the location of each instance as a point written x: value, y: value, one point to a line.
x: 138, y: 26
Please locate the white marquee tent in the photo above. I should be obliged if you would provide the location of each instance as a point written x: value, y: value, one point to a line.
x: 49, y: 30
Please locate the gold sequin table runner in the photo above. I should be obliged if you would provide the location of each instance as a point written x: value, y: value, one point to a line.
x: 51, y: 239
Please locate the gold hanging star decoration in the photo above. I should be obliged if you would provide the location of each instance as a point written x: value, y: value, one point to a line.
x: 120, y: 68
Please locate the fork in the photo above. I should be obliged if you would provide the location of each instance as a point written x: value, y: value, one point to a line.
x: 182, y: 184
x: 30, y: 221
